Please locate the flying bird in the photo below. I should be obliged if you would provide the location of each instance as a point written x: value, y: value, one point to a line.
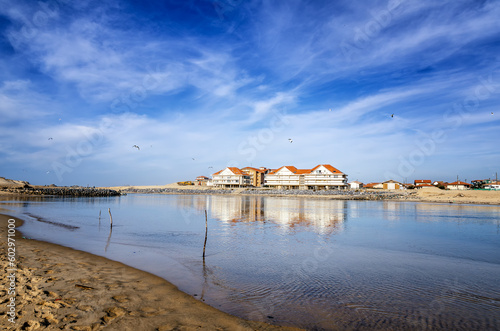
x: 392, y: 115
x: 51, y: 138
x: 290, y: 140
x: 491, y: 113
x: 135, y: 146
x: 330, y: 109
x: 210, y: 167
x: 193, y: 158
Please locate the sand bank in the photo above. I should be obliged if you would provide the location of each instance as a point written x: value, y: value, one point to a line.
x: 452, y: 196
x: 58, y: 288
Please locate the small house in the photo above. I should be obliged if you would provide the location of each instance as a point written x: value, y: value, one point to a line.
x: 458, y: 185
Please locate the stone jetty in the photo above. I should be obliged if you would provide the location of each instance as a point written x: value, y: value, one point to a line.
x: 63, y: 191
x: 337, y: 194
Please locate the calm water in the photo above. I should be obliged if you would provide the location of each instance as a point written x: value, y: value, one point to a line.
x: 316, y: 264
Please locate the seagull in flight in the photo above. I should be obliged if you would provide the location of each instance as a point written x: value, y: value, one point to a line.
x: 135, y: 146
x: 392, y: 115
x: 491, y: 113
x: 330, y: 109
x: 193, y: 158
x: 210, y: 167
x: 290, y: 140
x: 51, y: 138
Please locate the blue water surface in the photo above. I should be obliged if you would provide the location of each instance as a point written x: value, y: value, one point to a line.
x: 312, y: 263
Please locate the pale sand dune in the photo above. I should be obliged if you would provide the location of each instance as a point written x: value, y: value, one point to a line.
x: 59, y: 288
x: 11, y: 183
x: 432, y: 194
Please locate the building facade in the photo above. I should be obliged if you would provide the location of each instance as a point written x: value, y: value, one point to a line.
x: 355, y: 185
x: 256, y: 175
x: 458, y: 185
x: 323, y: 176
x: 230, y: 177
x: 392, y: 185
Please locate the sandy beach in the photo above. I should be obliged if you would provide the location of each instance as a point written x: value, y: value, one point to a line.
x: 58, y: 288
x: 449, y: 196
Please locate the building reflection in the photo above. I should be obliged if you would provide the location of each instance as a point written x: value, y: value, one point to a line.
x: 321, y: 215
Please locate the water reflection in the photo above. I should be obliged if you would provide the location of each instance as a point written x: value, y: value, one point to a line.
x: 321, y: 215
x: 388, y: 265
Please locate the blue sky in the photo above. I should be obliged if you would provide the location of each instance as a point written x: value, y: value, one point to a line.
x: 379, y: 89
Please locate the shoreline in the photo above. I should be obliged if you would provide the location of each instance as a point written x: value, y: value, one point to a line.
x: 62, y: 288
x: 425, y: 195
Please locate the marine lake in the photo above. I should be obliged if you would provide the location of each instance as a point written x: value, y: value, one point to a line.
x: 305, y: 262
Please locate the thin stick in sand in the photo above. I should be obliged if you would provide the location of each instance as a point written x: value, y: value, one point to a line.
x: 110, y: 218
x: 206, y: 232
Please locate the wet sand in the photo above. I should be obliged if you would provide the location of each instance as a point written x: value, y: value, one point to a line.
x: 59, y: 288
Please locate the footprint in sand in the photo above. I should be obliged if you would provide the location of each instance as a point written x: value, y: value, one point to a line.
x: 50, y: 294
x: 30, y: 325
x: 148, y: 312
x: 121, y: 298
x: 85, y: 308
x: 70, y: 318
x: 112, y: 313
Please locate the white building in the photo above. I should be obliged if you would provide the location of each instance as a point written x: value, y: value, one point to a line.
x: 355, y: 185
x: 458, y: 186
x: 230, y: 177
x: 323, y: 176
x: 392, y: 185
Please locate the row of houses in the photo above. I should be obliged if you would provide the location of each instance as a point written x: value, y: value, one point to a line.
x: 323, y: 176
x: 420, y: 183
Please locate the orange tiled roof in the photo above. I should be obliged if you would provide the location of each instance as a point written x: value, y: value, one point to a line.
x: 306, y: 171
x: 291, y: 168
x: 459, y: 183
x: 202, y: 177
x: 422, y: 181
x: 329, y: 167
x: 369, y: 185
x: 234, y: 170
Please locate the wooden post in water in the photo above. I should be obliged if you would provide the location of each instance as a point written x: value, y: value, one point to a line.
x: 110, y: 218
x: 206, y: 232
x: 99, y: 216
